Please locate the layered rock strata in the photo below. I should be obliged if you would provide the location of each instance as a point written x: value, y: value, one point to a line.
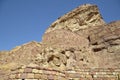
x: 77, y: 46
x: 81, y: 18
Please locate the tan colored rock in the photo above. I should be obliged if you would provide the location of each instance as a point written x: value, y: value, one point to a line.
x: 37, y: 76
x: 56, y: 61
x: 79, y: 41
x: 78, y: 19
x: 71, y: 63
x: 30, y: 75
x: 105, y: 40
x: 64, y: 39
x: 68, y: 53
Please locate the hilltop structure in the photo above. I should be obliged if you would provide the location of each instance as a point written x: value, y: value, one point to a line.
x: 77, y: 46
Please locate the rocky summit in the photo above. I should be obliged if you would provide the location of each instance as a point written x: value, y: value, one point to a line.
x: 77, y: 46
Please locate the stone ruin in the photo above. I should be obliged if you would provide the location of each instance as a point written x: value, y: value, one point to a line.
x: 38, y: 73
x: 77, y: 46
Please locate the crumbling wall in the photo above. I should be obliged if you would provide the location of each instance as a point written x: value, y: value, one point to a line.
x: 39, y: 73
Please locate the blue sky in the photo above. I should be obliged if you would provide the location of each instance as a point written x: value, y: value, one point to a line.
x: 22, y: 21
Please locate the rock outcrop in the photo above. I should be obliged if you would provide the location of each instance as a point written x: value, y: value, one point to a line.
x: 21, y: 55
x: 77, y: 46
x: 79, y: 19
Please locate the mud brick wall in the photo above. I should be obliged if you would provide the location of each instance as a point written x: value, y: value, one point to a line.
x: 38, y: 73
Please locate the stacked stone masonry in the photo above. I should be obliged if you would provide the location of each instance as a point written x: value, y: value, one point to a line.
x: 77, y: 46
x: 38, y: 73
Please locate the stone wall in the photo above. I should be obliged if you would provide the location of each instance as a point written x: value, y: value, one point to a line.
x: 94, y: 74
x: 39, y: 73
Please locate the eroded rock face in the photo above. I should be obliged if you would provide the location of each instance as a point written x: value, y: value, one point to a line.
x: 62, y: 59
x: 78, y: 40
x: 21, y: 55
x: 106, y: 44
x: 81, y: 18
x: 64, y: 39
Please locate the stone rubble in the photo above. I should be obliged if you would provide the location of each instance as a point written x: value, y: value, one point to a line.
x: 77, y: 46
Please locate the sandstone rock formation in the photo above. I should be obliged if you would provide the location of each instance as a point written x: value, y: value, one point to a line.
x: 21, y: 55
x: 81, y: 18
x: 78, y: 41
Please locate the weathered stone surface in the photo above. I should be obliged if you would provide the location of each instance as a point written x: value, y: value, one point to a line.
x: 76, y: 74
x: 64, y: 39
x: 106, y: 46
x: 18, y: 56
x: 81, y: 18
x: 77, y: 46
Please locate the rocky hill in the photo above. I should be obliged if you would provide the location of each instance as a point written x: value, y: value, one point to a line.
x: 78, y: 40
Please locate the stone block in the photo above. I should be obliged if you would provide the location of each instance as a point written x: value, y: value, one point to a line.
x: 40, y: 71
x: 50, y: 77
x: 37, y: 76
x: 12, y: 76
x: 21, y: 70
x: 30, y: 75
x: 35, y: 71
x: 17, y: 76
x: 23, y: 75
x: 28, y: 70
